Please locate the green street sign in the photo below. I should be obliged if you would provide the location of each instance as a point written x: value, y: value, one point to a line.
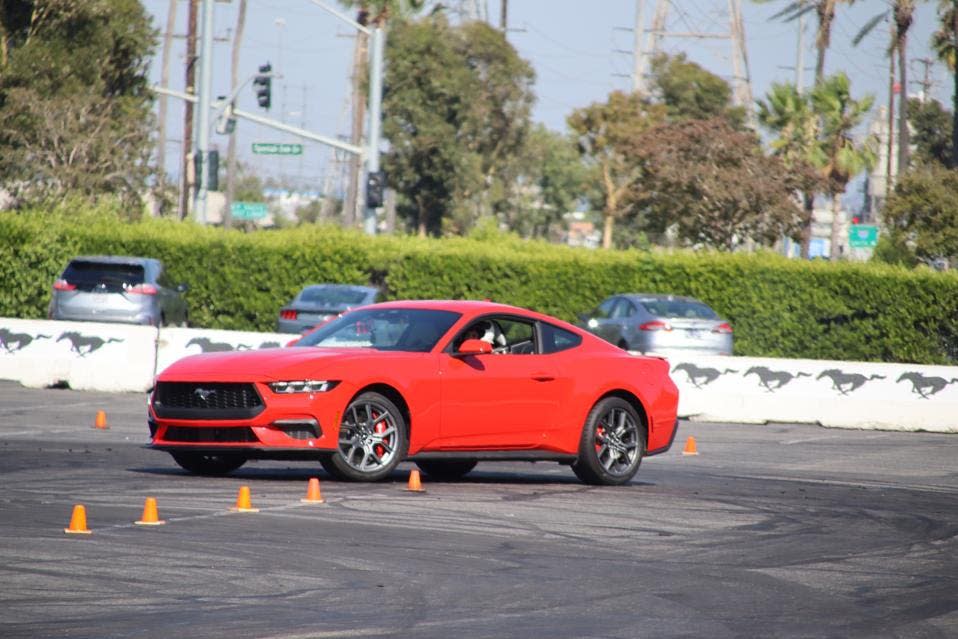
x: 862, y: 236
x: 248, y: 210
x: 273, y: 148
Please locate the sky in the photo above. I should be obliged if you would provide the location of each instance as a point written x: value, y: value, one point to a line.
x: 580, y: 49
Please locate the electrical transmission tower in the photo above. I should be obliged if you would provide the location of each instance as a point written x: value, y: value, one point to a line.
x: 658, y: 32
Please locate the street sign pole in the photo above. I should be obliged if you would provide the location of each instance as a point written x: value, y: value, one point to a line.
x: 377, y: 44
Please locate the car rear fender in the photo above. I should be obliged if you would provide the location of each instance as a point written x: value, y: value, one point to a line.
x: 636, y: 403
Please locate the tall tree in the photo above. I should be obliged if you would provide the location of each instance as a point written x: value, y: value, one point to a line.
x: 945, y: 43
x: 902, y: 13
x: 932, y: 125
x: 607, y: 134
x: 74, y: 99
x: 790, y: 115
x: 844, y: 157
x: 689, y: 91
x: 714, y: 186
x: 456, y: 104
x: 922, y: 214
x: 825, y: 12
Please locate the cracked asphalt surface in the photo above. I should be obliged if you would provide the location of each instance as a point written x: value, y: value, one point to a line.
x: 772, y: 530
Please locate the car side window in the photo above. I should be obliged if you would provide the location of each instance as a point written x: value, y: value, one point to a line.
x: 507, y: 335
x: 604, y: 310
x: 555, y: 339
x: 621, y: 308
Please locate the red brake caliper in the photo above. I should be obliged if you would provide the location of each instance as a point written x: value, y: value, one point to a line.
x: 599, y: 437
x: 380, y: 429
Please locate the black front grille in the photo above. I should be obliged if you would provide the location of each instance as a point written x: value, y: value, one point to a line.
x: 197, y: 400
x: 209, y: 435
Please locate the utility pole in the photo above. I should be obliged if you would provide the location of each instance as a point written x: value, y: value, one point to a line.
x: 231, y: 145
x: 187, y: 169
x: 926, y: 83
x: 161, y: 107
x: 741, y: 79
x: 504, y: 16
x: 360, y: 54
x: 638, y: 56
x: 205, y: 99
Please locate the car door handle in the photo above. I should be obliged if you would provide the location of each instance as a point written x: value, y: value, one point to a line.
x: 542, y: 377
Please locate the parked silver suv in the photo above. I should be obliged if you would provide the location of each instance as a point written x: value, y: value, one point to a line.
x: 110, y: 288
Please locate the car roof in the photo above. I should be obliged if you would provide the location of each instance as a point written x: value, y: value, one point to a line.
x: 658, y: 296
x: 114, y: 259
x: 351, y: 287
x: 471, y: 308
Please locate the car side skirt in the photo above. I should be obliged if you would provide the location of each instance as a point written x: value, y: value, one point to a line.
x: 495, y: 455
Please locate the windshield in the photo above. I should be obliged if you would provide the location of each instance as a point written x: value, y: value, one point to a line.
x: 394, y: 329
x: 679, y: 308
x: 334, y: 296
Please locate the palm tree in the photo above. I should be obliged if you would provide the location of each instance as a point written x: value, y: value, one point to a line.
x: 791, y: 116
x: 945, y: 43
x: 839, y: 115
x: 825, y: 12
x: 902, y: 12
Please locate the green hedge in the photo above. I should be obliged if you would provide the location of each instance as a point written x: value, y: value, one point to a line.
x: 779, y: 307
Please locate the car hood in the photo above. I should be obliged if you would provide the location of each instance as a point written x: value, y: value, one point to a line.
x: 265, y: 364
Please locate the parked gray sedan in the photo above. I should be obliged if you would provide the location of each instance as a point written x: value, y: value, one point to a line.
x: 318, y: 303
x: 112, y: 288
x: 659, y: 324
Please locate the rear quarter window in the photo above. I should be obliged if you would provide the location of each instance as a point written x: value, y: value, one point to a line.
x: 555, y: 339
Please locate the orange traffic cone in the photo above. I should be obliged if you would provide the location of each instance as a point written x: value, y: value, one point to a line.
x: 313, y: 496
x: 150, y: 516
x: 243, y: 504
x: 690, y: 448
x: 415, y: 483
x: 100, y: 421
x: 78, y: 521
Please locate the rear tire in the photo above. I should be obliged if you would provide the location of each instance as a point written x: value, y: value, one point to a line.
x: 612, y: 444
x: 202, y: 464
x: 372, y: 440
x: 446, y: 470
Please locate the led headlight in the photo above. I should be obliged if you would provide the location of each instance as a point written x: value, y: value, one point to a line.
x: 302, y: 386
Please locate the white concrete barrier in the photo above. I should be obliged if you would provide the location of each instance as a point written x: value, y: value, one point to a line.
x: 84, y: 355
x: 836, y: 394
x: 121, y: 357
x: 176, y: 343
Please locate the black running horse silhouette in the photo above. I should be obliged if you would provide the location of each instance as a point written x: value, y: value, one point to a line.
x: 845, y: 383
x: 209, y: 346
x: 773, y: 380
x: 925, y: 386
x: 12, y: 342
x: 83, y: 345
x: 701, y: 376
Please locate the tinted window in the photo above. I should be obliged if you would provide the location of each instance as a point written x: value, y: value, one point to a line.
x: 624, y: 308
x: 397, y: 329
x: 555, y: 339
x: 87, y: 276
x: 332, y: 296
x: 679, y: 308
x: 604, y: 311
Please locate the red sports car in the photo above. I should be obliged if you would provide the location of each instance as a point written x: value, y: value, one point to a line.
x: 444, y: 384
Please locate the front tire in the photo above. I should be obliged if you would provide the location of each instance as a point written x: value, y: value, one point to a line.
x: 446, y: 470
x: 612, y: 444
x: 372, y: 440
x: 202, y: 464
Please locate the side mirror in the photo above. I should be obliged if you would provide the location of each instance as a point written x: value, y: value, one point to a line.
x: 474, y: 347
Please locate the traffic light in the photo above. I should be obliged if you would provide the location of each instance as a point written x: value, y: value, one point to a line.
x: 375, y: 188
x: 263, y: 85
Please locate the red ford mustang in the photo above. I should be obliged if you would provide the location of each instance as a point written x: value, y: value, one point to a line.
x: 444, y: 384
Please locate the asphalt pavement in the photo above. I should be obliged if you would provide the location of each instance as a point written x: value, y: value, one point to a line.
x: 775, y: 530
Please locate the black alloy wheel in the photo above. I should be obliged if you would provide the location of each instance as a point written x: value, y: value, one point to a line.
x: 372, y: 440
x: 612, y: 444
